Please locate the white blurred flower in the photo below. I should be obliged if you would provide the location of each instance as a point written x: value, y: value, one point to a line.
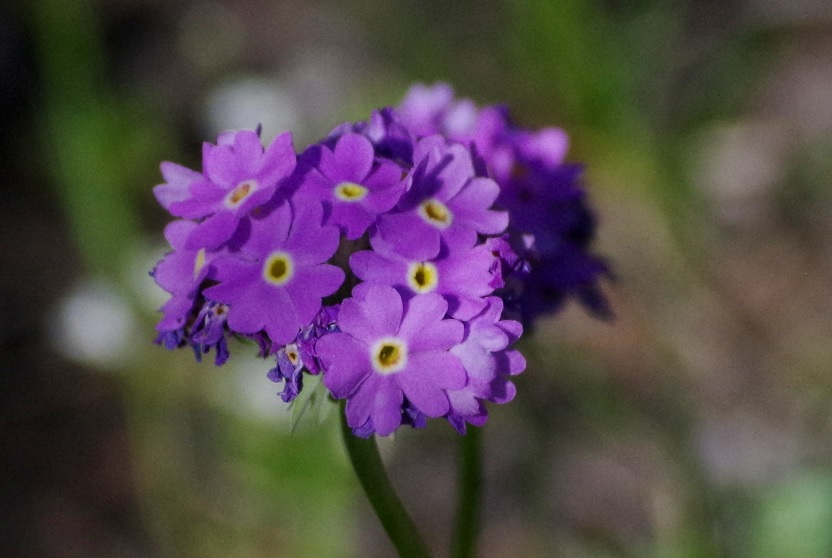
x: 94, y: 324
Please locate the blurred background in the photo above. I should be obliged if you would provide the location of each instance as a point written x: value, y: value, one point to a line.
x: 698, y: 423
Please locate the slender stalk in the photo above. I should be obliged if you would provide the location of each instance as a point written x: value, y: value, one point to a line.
x: 467, y: 528
x: 366, y: 461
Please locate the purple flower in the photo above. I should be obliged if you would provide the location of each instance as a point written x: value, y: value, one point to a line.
x: 387, y: 351
x: 209, y: 331
x: 550, y: 208
x: 293, y: 358
x: 324, y: 323
x: 289, y: 369
x: 238, y: 177
x: 461, y: 272
x: 445, y: 198
x: 424, y: 108
x: 279, y: 278
x: 180, y: 273
x: 489, y: 362
x: 353, y: 186
x: 388, y: 134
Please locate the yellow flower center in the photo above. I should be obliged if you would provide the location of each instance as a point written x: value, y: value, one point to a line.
x: 278, y: 268
x: 350, y: 192
x: 238, y: 195
x: 422, y: 277
x: 292, y: 353
x: 436, y: 213
x: 388, y: 355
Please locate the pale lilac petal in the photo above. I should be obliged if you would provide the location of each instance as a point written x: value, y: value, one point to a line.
x: 248, y: 150
x: 220, y: 165
x: 516, y: 362
x: 352, y: 217
x: 204, y: 199
x: 175, y: 272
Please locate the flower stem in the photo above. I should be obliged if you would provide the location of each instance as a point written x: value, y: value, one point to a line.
x: 467, y: 528
x: 366, y: 461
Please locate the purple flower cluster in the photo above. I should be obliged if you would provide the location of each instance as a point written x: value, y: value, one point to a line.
x: 387, y: 257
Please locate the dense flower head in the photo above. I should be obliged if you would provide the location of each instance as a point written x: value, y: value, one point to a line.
x: 390, y: 258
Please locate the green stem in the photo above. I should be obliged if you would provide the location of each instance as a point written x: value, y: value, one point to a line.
x: 470, y: 480
x: 366, y: 461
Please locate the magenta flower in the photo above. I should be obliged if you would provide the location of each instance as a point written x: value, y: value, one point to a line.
x: 353, y: 186
x: 238, y: 176
x: 388, y: 351
x: 277, y: 281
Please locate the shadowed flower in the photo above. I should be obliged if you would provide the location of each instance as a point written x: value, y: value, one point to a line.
x: 445, y: 198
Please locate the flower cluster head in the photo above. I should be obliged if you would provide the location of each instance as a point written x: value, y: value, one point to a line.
x: 396, y: 258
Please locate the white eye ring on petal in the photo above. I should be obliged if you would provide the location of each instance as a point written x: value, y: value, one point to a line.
x: 422, y: 277
x: 388, y: 355
x: 240, y: 193
x: 350, y: 192
x: 436, y: 213
x: 278, y: 269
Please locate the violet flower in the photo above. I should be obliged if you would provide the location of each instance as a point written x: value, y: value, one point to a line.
x: 238, y: 177
x: 445, y: 198
x: 277, y: 281
x: 353, y: 186
x: 387, y: 351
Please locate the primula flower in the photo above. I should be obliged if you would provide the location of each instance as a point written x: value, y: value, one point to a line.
x: 277, y: 281
x: 461, y: 272
x: 238, y: 177
x: 445, y: 198
x: 550, y: 207
x: 551, y: 225
x: 180, y: 273
x: 289, y: 369
x: 386, y: 351
x: 353, y: 186
x: 390, y: 137
x: 209, y: 332
x: 385, y: 258
x: 294, y: 358
x: 489, y: 363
